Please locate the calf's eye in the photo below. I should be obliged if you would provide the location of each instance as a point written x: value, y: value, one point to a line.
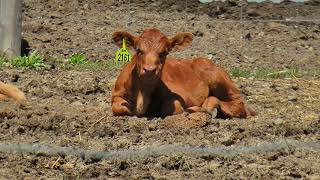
x: 139, y: 51
x: 163, y: 54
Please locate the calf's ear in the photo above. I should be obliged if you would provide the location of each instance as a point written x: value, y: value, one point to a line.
x: 181, y: 40
x: 119, y: 35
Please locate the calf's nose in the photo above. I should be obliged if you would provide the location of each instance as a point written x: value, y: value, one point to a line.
x: 149, y: 69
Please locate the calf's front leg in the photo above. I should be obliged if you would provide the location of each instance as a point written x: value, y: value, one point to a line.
x: 121, y: 107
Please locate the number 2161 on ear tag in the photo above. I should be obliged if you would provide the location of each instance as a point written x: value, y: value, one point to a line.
x: 123, y: 55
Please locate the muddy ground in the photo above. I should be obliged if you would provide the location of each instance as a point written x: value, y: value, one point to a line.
x: 71, y: 108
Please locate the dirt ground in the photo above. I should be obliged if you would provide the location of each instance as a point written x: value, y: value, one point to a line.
x: 71, y: 108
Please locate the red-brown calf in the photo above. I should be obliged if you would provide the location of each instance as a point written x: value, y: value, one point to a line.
x: 154, y: 84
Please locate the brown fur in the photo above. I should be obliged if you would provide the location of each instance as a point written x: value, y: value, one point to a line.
x: 153, y: 83
x: 8, y: 91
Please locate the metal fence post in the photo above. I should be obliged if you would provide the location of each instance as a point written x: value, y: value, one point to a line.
x: 10, y: 27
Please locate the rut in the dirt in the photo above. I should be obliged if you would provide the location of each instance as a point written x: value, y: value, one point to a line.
x: 163, y: 150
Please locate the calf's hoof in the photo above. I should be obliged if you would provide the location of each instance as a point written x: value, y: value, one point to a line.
x: 213, y: 112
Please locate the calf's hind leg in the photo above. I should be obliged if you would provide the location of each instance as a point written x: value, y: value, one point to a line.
x: 224, y: 95
x: 176, y: 105
x: 228, y: 109
x: 210, y: 105
x: 171, y: 107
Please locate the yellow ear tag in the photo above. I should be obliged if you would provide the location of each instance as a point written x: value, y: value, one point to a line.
x: 123, y: 55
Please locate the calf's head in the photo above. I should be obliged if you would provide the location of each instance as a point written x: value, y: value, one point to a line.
x: 152, y: 48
